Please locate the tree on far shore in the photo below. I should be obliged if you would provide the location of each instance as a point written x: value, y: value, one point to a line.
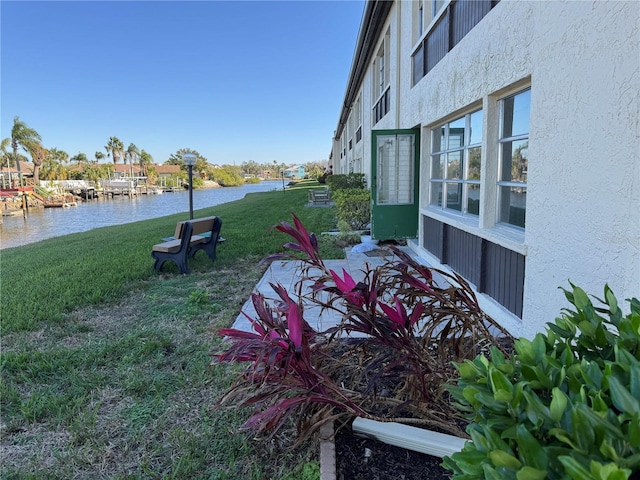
x: 38, y: 155
x: 22, y: 136
x: 145, y: 160
x: 115, y: 149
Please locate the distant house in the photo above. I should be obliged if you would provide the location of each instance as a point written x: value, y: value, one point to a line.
x: 500, y: 138
x: 6, y: 173
x: 295, y: 172
x: 126, y: 170
x: 166, y: 171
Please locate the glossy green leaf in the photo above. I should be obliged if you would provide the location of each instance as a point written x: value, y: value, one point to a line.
x: 599, y: 404
x: 564, y: 437
x: 592, y: 374
x: 610, y: 471
x: 580, y: 298
x: 608, y: 451
x: 530, y: 451
x: 497, y: 357
x: 479, y: 440
x: 502, y: 459
x: 587, y: 328
x: 530, y: 473
x: 499, y: 381
x: 490, y: 473
x: 469, y: 394
x: 561, y: 332
x: 503, y: 396
x: 609, y: 424
x: 582, y: 429
x: 494, y: 441
x: 612, y: 301
x: 621, y: 397
x: 575, y: 469
x: 558, y: 404
x: 524, y: 349
x: 602, y: 335
x: 468, y: 462
x: 506, y: 368
x: 536, y: 410
x: 539, y: 347
x: 467, y: 370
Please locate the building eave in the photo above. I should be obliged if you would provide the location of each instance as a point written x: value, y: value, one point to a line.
x: 373, y: 19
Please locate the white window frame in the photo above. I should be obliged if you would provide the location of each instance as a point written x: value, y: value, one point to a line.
x: 502, y: 139
x: 380, y: 70
x: 464, y: 181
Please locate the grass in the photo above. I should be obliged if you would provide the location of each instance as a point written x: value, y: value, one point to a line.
x: 105, y: 364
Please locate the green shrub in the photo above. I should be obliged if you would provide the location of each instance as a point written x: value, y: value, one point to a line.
x: 565, y: 405
x: 227, y: 176
x: 197, y: 182
x: 343, y: 182
x: 353, y: 207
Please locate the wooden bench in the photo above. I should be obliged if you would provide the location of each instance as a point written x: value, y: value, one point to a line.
x: 190, y: 237
x: 174, y: 250
x: 208, y: 229
x: 319, y: 197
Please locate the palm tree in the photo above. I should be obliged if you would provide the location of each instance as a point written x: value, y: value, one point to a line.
x: 22, y: 136
x: 145, y: 160
x: 53, y: 166
x: 5, y: 157
x: 79, y: 158
x: 59, y: 156
x: 115, y: 149
x: 38, y: 154
x: 99, y: 156
x: 132, y: 155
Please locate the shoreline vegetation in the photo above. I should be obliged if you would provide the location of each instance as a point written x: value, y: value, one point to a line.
x: 106, y: 368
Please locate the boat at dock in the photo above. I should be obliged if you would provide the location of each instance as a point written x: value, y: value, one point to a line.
x: 60, y: 204
x: 12, y: 213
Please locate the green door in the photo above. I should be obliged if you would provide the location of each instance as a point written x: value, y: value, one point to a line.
x: 394, y: 186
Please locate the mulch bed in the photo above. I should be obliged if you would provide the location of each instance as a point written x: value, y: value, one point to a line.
x: 361, y: 458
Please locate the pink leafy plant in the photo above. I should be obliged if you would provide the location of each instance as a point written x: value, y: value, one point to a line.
x: 411, y: 329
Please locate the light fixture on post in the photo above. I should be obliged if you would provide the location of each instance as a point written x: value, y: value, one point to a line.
x: 189, y: 160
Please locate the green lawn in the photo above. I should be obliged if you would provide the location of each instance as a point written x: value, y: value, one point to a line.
x: 105, y: 364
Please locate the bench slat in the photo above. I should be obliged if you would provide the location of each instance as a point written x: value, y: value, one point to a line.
x: 174, y: 245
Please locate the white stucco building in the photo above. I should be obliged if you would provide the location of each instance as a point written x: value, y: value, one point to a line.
x: 502, y: 139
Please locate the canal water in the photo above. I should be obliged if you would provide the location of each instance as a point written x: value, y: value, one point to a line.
x: 44, y: 223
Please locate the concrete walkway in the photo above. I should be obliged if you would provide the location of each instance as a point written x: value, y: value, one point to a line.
x: 287, y: 273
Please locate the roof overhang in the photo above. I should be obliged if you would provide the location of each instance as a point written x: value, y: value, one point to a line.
x: 373, y: 18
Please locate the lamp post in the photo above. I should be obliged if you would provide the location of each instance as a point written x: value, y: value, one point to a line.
x: 189, y: 160
x: 282, y: 171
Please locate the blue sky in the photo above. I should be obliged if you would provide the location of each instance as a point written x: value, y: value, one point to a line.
x: 234, y: 80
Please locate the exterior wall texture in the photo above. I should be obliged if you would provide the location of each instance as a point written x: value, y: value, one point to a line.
x: 582, y: 63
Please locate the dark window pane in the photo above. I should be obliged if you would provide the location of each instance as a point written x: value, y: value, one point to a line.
x: 516, y: 111
x: 513, y: 205
x: 418, y: 65
x: 475, y: 133
x: 436, y: 194
x: 473, y: 199
x: 454, y: 165
x: 437, y: 139
x: 456, y: 133
x: 454, y: 196
x: 475, y: 155
x: 515, y: 161
x: 437, y: 166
